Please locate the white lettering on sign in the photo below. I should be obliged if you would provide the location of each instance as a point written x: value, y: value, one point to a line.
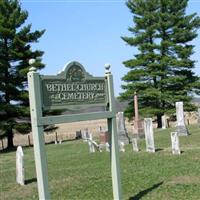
x: 74, y: 87
x: 74, y: 96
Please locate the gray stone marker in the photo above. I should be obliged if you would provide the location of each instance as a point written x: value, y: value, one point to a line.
x: 20, y: 166
x: 91, y: 146
x: 121, y: 147
x: 175, y: 143
x: 135, y: 144
x: 199, y: 116
x: 121, y: 129
x: 90, y: 143
x: 163, y: 122
x: 149, y: 137
x: 180, y: 127
x: 107, y: 147
x: 85, y: 135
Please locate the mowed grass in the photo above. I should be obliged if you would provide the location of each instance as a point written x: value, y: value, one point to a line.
x: 74, y: 173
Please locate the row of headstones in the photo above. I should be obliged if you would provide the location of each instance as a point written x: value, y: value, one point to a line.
x: 93, y: 146
x: 123, y: 135
x: 180, y: 126
x: 181, y: 130
x: 149, y: 138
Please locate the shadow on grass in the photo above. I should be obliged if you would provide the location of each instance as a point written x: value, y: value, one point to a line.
x: 144, y: 192
x: 29, y: 181
x: 8, y: 150
x: 159, y: 149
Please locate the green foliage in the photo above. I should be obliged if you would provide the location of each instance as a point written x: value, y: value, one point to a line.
x: 161, y: 72
x: 15, y: 52
x: 23, y: 127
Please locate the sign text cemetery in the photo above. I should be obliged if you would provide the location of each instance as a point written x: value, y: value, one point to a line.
x: 73, y: 89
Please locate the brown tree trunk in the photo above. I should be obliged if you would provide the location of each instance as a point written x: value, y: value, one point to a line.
x: 10, y: 138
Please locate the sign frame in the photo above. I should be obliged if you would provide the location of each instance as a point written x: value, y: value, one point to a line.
x: 38, y: 121
x: 67, y: 83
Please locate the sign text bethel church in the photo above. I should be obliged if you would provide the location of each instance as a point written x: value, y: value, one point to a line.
x: 73, y: 87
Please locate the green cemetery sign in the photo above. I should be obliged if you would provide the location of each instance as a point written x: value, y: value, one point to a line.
x: 73, y: 88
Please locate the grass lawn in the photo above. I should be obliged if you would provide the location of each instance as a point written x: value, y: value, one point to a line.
x: 74, y: 173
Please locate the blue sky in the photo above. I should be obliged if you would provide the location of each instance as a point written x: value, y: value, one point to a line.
x: 89, y: 32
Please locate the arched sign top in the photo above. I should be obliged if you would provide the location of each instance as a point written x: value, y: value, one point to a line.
x: 74, y: 72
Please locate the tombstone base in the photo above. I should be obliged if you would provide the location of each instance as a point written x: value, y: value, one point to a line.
x: 182, y: 131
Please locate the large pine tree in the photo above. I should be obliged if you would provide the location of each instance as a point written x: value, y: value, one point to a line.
x: 15, y: 52
x: 161, y: 71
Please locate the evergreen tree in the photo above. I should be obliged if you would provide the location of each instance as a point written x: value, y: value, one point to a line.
x: 161, y: 72
x: 15, y: 52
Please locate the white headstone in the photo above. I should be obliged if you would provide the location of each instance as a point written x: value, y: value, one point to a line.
x: 107, y: 147
x: 85, y: 135
x: 180, y: 127
x: 135, y: 144
x: 60, y: 141
x: 149, y: 137
x: 20, y: 166
x: 175, y: 143
x: 121, y: 129
x: 121, y: 147
x: 163, y: 122
x: 56, y: 142
x: 91, y: 146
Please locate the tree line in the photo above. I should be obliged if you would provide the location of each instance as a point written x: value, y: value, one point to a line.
x: 161, y: 71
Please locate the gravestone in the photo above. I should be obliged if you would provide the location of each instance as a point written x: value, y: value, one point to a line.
x: 121, y: 129
x: 85, y: 135
x: 78, y: 135
x: 107, y: 147
x: 121, y: 147
x: 163, y: 122
x: 135, y: 144
x: 90, y: 143
x: 91, y: 146
x: 199, y: 116
x: 149, y: 137
x: 175, y: 143
x: 103, y: 137
x: 20, y: 166
x: 180, y: 126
